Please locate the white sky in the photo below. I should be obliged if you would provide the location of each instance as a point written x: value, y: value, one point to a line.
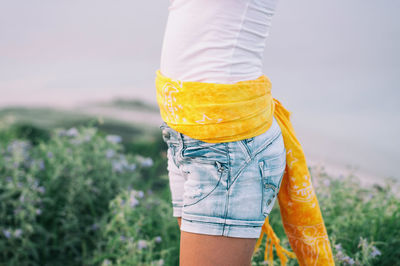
x: 336, y: 62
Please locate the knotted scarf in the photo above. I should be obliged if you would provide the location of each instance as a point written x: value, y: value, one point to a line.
x: 213, y: 113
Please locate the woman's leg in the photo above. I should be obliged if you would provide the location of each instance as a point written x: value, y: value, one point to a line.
x: 211, y: 250
x: 201, y: 249
x: 179, y: 221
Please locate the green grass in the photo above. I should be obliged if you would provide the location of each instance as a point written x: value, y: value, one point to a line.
x: 72, y: 192
x: 47, y: 119
x: 132, y: 104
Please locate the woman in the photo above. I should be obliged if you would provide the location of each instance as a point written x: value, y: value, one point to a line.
x: 226, y: 150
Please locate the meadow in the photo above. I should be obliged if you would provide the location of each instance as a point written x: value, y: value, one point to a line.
x: 95, y: 192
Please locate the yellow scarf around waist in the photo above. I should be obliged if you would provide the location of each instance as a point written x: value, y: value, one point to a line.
x: 213, y: 113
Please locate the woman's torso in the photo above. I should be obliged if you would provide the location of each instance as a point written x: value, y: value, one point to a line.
x: 218, y: 41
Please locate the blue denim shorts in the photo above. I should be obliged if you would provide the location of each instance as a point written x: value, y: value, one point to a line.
x: 227, y: 188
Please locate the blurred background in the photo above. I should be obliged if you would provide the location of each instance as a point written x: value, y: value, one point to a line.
x: 335, y: 65
x: 83, y: 166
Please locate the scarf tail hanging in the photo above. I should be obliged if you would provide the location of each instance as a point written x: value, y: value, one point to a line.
x: 272, y: 239
x: 301, y: 216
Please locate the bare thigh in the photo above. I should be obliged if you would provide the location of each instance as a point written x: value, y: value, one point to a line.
x: 210, y: 250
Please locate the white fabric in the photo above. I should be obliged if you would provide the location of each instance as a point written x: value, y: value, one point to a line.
x: 218, y: 41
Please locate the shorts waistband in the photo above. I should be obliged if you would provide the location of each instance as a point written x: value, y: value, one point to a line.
x: 176, y: 137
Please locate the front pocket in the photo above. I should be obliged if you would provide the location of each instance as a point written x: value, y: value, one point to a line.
x: 271, y: 170
x: 203, y: 152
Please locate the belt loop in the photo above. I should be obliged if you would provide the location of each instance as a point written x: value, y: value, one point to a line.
x: 180, y: 138
x: 181, y: 146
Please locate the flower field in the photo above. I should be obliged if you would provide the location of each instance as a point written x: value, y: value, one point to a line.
x: 83, y: 196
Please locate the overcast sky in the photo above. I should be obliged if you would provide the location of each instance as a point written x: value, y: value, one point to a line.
x: 335, y: 61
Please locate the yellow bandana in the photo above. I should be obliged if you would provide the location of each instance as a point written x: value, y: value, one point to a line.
x: 216, y: 112
x: 213, y: 113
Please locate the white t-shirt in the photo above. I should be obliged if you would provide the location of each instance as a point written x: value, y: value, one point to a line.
x: 218, y: 41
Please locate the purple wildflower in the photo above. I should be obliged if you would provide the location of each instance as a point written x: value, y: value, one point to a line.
x: 41, y: 165
x: 72, y: 132
x: 18, y: 232
x: 76, y: 141
x: 110, y: 153
x: 160, y: 262
x: 122, y: 203
x: 375, y: 252
x: 145, y: 161
x: 113, y: 138
x: 133, y: 202
x: 106, y: 262
x: 41, y: 189
x: 131, y: 167
x: 94, y: 227
x: 87, y: 138
x: 120, y: 165
x: 142, y: 244
x: 7, y: 233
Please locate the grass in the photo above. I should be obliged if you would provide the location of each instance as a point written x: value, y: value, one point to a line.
x: 78, y: 191
x: 131, y: 104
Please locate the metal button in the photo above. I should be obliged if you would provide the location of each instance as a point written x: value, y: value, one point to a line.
x: 166, y: 134
x: 219, y: 166
x: 269, y: 202
x: 269, y: 186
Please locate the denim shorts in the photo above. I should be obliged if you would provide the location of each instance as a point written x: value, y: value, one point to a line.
x: 228, y: 188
